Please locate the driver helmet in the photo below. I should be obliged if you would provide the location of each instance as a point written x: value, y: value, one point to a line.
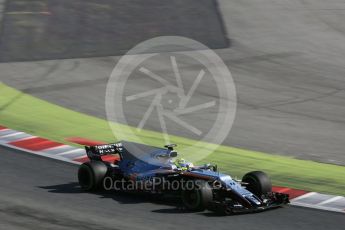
x: 181, y: 163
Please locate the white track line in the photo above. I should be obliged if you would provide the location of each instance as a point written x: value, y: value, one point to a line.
x: 330, y: 200
x: 11, y: 135
x: 6, y: 132
x: 70, y: 151
x: 56, y: 148
x: 318, y: 207
x: 43, y: 154
x: 23, y: 139
x: 303, y: 196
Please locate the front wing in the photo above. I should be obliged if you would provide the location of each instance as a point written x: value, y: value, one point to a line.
x: 276, y: 200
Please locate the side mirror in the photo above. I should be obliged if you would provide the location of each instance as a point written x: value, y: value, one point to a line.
x: 170, y: 146
x: 173, y: 154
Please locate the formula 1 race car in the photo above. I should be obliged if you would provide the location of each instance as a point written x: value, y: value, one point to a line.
x: 155, y: 170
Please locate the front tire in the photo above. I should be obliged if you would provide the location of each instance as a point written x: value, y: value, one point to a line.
x: 91, y: 175
x: 258, y: 183
x: 198, y: 198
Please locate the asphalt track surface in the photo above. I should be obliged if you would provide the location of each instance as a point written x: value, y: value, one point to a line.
x: 40, y: 193
x: 48, y: 29
x: 287, y: 59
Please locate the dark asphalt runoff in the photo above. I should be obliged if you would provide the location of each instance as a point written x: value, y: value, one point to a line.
x: 87, y: 28
x: 40, y: 193
x: 287, y: 59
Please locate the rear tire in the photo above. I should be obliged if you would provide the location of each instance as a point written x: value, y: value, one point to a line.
x: 258, y: 183
x: 198, y: 198
x: 91, y: 175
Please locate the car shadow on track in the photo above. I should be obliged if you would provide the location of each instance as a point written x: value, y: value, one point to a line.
x: 130, y: 198
x: 121, y: 197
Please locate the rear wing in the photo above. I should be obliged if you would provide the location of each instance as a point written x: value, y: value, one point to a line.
x: 95, y: 152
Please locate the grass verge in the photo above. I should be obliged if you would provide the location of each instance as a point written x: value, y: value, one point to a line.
x: 26, y: 113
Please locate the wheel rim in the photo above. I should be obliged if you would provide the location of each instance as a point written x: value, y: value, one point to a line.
x: 191, y: 198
